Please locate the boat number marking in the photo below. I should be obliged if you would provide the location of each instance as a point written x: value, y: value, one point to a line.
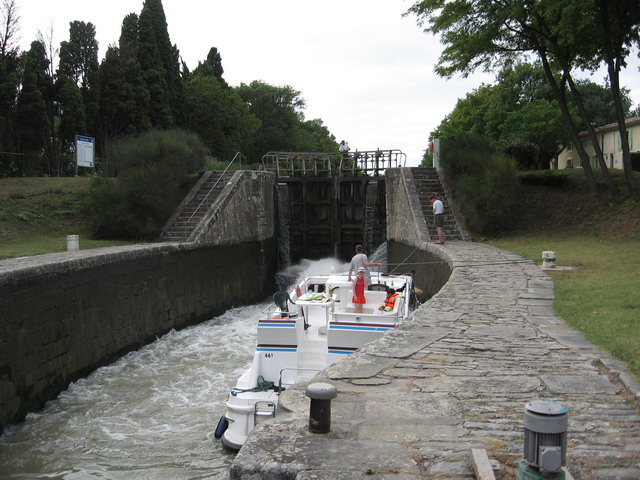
x: 268, y: 355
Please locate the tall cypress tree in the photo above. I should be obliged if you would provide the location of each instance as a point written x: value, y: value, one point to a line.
x: 8, y: 93
x: 124, y: 97
x: 72, y: 113
x: 32, y: 120
x: 211, y: 67
x: 79, y: 62
x: 137, y: 91
x: 123, y: 100
x: 160, y: 62
x: 9, y: 66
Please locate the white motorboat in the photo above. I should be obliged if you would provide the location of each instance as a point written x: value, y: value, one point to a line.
x: 303, y: 332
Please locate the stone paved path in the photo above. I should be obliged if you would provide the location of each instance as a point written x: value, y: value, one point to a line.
x: 456, y: 376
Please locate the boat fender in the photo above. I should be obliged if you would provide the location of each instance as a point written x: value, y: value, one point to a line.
x: 223, y: 423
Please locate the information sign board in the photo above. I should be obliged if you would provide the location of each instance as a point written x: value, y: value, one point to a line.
x: 84, y: 151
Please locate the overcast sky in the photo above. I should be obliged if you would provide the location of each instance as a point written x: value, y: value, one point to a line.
x: 361, y: 67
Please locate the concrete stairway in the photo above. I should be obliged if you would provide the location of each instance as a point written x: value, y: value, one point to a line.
x: 427, y: 182
x: 193, y: 208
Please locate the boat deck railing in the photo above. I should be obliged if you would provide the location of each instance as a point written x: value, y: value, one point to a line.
x: 273, y: 312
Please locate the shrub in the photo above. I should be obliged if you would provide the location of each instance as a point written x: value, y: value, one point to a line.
x: 464, y: 155
x: 183, y: 152
x: 545, y: 178
x: 525, y: 153
x: 107, y: 210
x: 484, y: 184
x: 151, y: 169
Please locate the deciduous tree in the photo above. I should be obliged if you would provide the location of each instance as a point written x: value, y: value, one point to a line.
x: 489, y: 34
x: 618, y: 28
x: 279, y: 110
x: 219, y: 116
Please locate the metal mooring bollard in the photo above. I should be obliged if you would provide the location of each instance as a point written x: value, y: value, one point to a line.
x: 548, y: 259
x: 73, y: 243
x: 321, y: 395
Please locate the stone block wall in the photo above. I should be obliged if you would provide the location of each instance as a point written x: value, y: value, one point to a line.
x: 408, y: 241
x: 405, y: 219
x: 432, y: 268
x: 61, y: 318
x: 244, y: 210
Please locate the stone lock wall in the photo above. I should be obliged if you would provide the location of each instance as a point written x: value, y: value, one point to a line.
x: 408, y: 241
x: 244, y: 210
x: 63, y: 315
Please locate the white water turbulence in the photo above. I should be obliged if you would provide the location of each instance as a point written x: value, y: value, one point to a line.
x: 321, y: 267
x: 150, y: 415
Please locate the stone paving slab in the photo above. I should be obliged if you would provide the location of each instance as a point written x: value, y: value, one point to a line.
x: 457, y: 375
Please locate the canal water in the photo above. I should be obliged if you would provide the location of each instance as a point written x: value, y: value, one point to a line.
x: 148, y: 416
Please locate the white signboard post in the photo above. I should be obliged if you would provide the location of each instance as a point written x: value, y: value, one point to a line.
x: 84, y: 151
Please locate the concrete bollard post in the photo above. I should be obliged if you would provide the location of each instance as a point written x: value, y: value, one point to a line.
x: 548, y: 259
x: 73, y: 243
x: 321, y: 395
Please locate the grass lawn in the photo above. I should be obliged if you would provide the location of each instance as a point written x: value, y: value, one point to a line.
x: 37, y: 214
x: 40, y: 244
x: 601, y: 298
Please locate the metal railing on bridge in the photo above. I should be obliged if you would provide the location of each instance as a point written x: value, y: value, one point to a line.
x: 300, y: 164
x: 303, y: 164
x: 371, y: 162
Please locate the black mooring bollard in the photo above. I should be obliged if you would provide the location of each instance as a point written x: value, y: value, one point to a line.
x: 321, y: 395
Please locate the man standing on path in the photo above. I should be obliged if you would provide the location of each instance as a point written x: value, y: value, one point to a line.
x: 438, y: 212
x: 360, y: 260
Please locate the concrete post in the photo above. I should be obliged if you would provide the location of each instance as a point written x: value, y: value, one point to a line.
x: 548, y: 259
x: 436, y: 153
x: 321, y: 395
x: 72, y: 243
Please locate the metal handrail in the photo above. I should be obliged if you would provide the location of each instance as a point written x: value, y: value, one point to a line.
x: 306, y: 163
x: 209, y: 193
x: 370, y: 162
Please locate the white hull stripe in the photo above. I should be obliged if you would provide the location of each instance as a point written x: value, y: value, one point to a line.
x: 365, y: 329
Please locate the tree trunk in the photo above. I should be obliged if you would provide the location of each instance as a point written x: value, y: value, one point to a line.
x: 577, y: 98
x: 560, y: 95
x: 613, y: 67
x: 629, y: 174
